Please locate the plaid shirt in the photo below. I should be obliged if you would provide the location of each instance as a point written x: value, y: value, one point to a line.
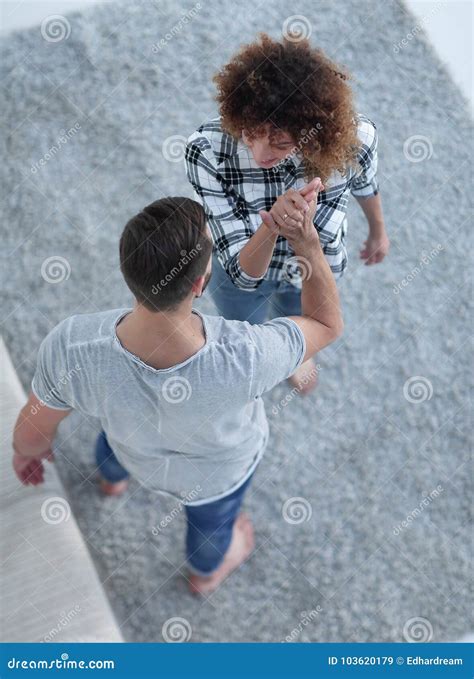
x: 232, y: 189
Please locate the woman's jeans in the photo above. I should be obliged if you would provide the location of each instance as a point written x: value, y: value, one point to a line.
x: 209, y: 526
x: 271, y: 299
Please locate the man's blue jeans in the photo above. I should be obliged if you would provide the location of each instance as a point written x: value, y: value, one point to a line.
x: 271, y: 299
x: 209, y: 526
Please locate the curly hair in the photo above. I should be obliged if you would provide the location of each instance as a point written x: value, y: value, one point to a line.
x: 296, y: 89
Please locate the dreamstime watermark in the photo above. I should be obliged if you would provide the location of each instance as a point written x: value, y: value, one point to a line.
x: 176, y: 511
x: 54, y: 391
x: 425, y: 259
x: 417, y: 28
x: 290, y: 395
x: 417, y: 148
x: 296, y: 269
x: 62, y: 140
x: 63, y: 622
x: 296, y: 27
x: 297, y: 510
x: 417, y: 389
x: 306, y: 136
x: 176, y: 630
x: 55, y: 510
x: 174, y: 148
x: 415, y: 513
x: 176, y: 389
x: 306, y: 618
x: 55, y: 269
x: 55, y: 28
x: 177, y: 28
x: 185, y: 258
x: 63, y: 663
x: 418, y: 630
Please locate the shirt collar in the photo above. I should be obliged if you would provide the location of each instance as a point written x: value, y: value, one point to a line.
x: 295, y: 160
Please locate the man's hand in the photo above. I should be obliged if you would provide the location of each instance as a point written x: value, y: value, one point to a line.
x: 304, y: 234
x: 30, y: 470
x: 33, y: 436
x: 289, y: 209
x: 375, y: 249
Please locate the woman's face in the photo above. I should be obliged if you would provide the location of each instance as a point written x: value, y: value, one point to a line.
x: 268, y: 153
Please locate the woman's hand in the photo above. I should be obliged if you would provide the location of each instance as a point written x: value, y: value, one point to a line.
x: 290, y: 208
x: 375, y: 249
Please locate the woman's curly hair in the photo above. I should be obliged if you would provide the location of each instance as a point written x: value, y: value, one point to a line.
x: 296, y: 89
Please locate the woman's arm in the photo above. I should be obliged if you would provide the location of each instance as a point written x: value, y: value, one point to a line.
x: 244, y: 254
x: 287, y: 211
x: 256, y: 255
x: 377, y: 245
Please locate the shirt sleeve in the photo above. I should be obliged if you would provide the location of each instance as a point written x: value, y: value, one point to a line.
x: 278, y: 347
x: 365, y: 184
x: 52, y: 378
x: 226, y: 212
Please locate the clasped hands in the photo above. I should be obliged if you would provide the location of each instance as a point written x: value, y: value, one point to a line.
x: 289, y: 210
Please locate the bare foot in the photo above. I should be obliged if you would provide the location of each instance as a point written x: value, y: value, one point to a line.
x: 117, y: 488
x: 305, y: 378
x: 239, y: 550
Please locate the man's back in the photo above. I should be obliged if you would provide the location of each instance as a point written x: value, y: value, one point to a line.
x: 196, y: 429
x: 191, y: 422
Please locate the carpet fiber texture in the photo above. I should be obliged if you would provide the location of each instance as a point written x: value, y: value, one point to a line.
x: 95, y: 110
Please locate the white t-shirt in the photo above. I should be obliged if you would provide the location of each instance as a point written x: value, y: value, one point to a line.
x: 196, y: 430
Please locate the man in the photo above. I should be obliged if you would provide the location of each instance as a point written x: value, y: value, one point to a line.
x: 286, y: 116
x: 178, y: 394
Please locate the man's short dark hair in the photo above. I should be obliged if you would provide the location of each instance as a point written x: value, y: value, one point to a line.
x: 163, y: 250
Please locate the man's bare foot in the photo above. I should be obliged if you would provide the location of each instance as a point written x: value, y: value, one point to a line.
x: 117, y: 488
x: 305, y: 378
x: 240, y: 548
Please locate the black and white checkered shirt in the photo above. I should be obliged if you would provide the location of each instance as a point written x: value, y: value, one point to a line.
x: 233, y: 188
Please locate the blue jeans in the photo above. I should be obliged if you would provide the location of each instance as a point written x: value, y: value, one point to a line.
x: 271, y: 299
x: 209, y: 526
x: 109, y: 467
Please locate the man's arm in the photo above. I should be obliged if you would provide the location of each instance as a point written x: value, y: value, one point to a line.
x: 279, y: 346
x: 321, y: 318
x: 33, y: 436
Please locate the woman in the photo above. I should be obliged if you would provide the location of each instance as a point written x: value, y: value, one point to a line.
x: 286, y: 120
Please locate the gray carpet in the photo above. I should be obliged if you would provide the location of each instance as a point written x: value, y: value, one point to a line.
x: 383, y: 440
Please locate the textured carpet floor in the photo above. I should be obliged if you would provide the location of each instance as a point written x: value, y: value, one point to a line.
x: 373, y: 447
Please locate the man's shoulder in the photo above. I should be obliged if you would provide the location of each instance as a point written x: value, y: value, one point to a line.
x: 244, y: 334
x: 219, y: 328
x: 86, y: 329
x: 228, y: 335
